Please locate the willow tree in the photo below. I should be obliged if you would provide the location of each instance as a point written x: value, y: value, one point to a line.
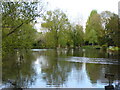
x: 93, y: 28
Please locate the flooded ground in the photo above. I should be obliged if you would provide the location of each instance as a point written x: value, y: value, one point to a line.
x: 44, y: 68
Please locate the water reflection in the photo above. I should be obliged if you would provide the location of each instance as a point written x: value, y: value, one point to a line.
x: 54, y: 73
x: 82, y: 68
x: 16, y: 73
x: 79, y: 78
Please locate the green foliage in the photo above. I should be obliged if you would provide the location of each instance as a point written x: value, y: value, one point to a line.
x: 112, y: 30
x: 94, y: 28
x: 77, y: 35
x: 100, y: 29
x: 113, y: 48
x: 56, y: 23
x: 50, y: 40
x: 60, y: 32
x: 17, y: 25
x: 39, y: 41
x: 22, y: 39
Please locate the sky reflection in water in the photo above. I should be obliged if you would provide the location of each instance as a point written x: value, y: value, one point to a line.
x: 63, y: 68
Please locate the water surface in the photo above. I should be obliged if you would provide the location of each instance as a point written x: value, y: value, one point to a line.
x: 43, y: 68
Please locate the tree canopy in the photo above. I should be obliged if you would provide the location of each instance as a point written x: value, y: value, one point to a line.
x: 17, y: 24
x: 94, y: 28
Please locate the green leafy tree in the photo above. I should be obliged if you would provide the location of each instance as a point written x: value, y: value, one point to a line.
x: 77, y: 36
x: 17, y: 24
x: 105, y: 39
x: 22, y: 39
x: 113, y: 31
x: 19, y: 13
x: 56, y: 23
x: 93, y: 28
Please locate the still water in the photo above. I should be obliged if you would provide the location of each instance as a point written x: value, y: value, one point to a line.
x: 46, y: 68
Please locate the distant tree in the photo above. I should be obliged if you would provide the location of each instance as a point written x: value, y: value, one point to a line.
x: 105, y: 16
x: 113, y: 31
x: 78, y: 36
x: 105, y: 39
x: 56, y: 22
x: 93, y: 28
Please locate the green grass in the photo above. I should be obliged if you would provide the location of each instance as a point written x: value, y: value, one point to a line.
x: 90, y: 46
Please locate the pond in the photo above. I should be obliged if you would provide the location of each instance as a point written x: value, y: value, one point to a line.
x: 64, y: 68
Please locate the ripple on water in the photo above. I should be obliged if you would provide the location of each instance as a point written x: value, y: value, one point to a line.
x: 93, y: 60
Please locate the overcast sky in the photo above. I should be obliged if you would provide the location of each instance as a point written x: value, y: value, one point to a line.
x: 79, y: 10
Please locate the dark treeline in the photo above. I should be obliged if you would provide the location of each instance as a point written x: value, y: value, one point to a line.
x: 18, y: 32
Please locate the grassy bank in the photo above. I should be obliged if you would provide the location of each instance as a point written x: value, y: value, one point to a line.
x: 110, y: 48
x: 92, y: 46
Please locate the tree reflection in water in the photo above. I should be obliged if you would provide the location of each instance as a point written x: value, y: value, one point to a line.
x: 59, y: 68
x: 18, y: 72
x: 59, y: 72
x: 55, y: 72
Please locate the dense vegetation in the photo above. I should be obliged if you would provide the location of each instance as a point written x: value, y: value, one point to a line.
x: 18, y: 19
x: 18, y: 32
x: 101, y: 29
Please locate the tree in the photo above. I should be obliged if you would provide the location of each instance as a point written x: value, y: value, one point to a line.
x: 56, y: 23
x: 22, y: 39
x: 93, y: 28
x: 19, y: 13
x: 113, y: 31
x: 105, y: 16
x: 77, y: 35
x: 105, y: 39
x: 17, y: 24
